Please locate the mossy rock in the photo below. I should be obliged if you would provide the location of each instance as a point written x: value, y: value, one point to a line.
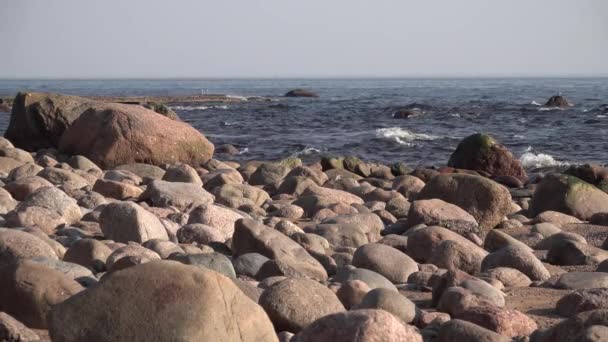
x: 332, y: 162
x: 482, y: 153
x: 291, y: 162
x: 161, y: 109
x: 569, y: 195
x: 400, y: 169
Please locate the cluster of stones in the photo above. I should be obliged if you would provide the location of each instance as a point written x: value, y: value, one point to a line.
x: 186, y: 247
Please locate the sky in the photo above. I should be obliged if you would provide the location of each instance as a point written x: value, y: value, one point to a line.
x: 313, y: 38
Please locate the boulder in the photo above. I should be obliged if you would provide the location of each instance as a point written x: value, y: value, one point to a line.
x: 180, y: 195
x: 182, y: 173
x: 487, y: 201
x: 582, y: 280
x: 568, y: 195
x: 435, y: 212
x: 453, y: 255
x: 127, y: 221
x: 11, y: 330
x: 30, y: 289
x: 582, y: 300
x: 119, y: 134
x: 372, y: 279
x: 16, y: 245
x: 581, y: 327
x: 358, y: 325
x: 507, y: 322
x: 220, y: 218
x: 480, y: 152
x: 568, y: 252
x: 518, y: 258
x: 54, y: 200
x: 385, y: 260
x: 23, y: 187
x: 117, y: 190
x: 508, y: 276
x: 295, y: 303
x: 7, y: 202
x: 213, y: 261
x: 253, y: 237
x: 38, y: 120
x: 391, y: 301
x: 177, y: 303
x: 423, y: 243
x: 128, y: 256
x: 89, y: 253
x: 143, y: 170
x: 459, y: 330
x: 249, y: 264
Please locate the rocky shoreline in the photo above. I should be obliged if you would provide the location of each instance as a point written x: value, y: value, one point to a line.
x: 121, y: 222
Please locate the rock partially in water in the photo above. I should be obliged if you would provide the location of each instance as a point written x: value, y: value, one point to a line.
x: 301, y: 93
x: 480, y: 152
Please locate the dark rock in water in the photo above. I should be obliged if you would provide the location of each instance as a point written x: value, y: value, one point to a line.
x: 121, y: 134
x: 568, y: 195
x: 480, y: 152
x: 557, y: 101
x: 227, y: 149
x: 301, y: 93
x: 405, y: 113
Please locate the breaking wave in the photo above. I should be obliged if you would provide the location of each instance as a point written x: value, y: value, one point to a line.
x: 190, y: 108
x: 531, y: 160
x: 402, y: 136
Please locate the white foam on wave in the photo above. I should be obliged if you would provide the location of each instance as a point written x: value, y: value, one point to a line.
x: 455, y: 115
x: 534, y: 103
x: 307, y: 151
x: 402, y: 136
x: 532, y: 160
x: 237, y: 97
x: 546, y: 109
x: 519, y: 136
x: 601, y: 116
x: 228, y: 123
x: 243, y: 151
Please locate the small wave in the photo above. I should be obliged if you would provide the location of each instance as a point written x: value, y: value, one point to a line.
x: 531, y: 160
x: 547, y: 109
x: 455, y: 115
x: 307, y: 151
x: 534, y: 103
x: 190, y: 108
x: 237, y: 97
x: 601, y: 116
x: 243, y: 151
x: 228, y: 123
x: 402, y: 136
x: 518, y: 136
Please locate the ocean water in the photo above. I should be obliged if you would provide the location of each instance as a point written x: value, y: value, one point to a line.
x: 354, y: 117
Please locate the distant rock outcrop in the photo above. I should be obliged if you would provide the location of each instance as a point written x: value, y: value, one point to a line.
x: 301, y: 93
x: 558, y: 101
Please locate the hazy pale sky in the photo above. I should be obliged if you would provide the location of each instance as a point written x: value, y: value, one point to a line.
x: 312, y: 38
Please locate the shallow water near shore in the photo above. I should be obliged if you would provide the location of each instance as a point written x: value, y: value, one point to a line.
x: 354, y: 117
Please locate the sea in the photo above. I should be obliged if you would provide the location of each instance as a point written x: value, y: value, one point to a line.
x: 355, y: 116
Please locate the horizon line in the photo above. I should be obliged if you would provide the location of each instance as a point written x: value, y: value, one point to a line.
x: 295, y: 77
